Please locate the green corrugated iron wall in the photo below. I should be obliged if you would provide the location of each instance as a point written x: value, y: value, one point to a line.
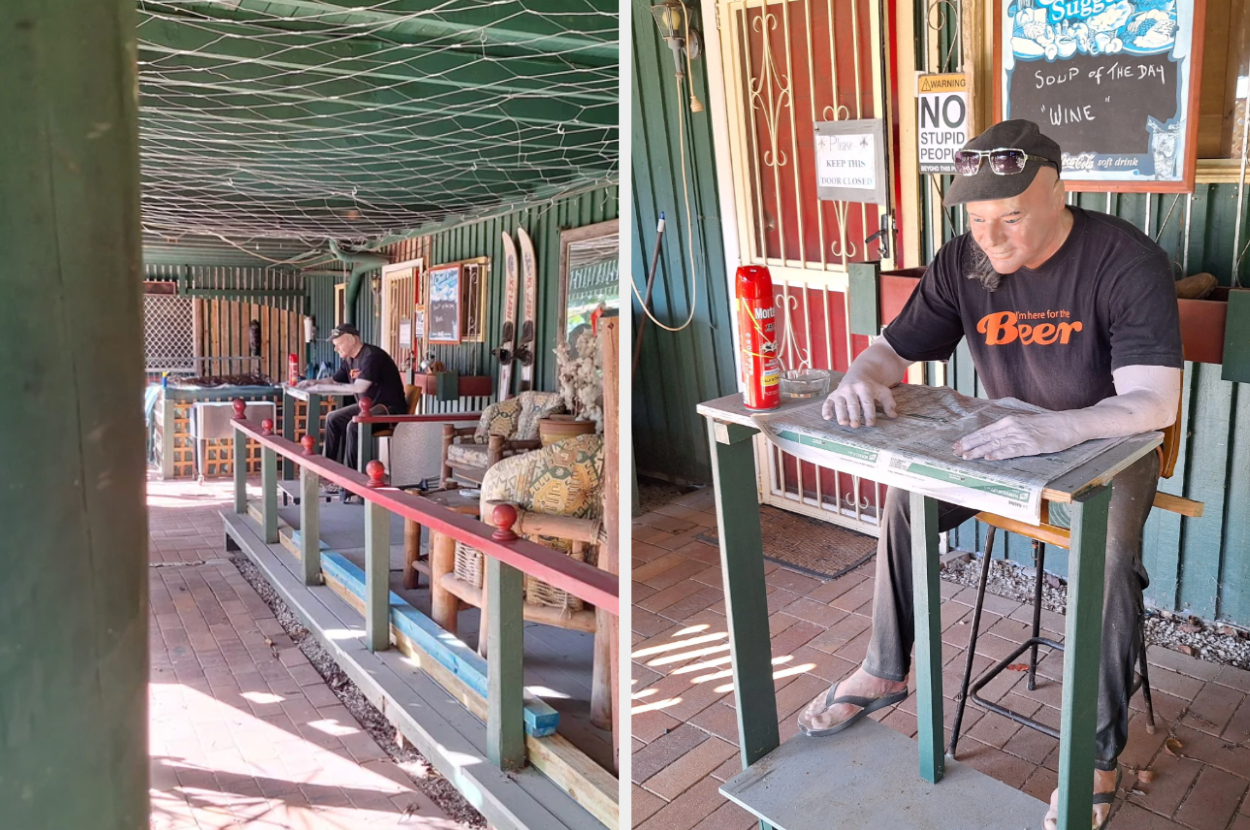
x: 677, y: 370
x: 1196, y: 565
x: 543, y: 222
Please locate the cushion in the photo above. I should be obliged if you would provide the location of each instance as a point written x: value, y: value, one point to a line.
x: 467, y: 455
x: 499, y: 419
x: 534, y: 407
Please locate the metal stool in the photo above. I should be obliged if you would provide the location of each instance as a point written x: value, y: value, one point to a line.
x: 1031, y: 644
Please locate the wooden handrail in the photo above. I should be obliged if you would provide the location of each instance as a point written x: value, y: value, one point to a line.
x: 553, y: 567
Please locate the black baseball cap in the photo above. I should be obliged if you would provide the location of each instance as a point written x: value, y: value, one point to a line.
x: 342, y: 329
x: 986, y: 185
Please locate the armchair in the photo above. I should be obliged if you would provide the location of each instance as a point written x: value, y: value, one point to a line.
x: 505, y: 428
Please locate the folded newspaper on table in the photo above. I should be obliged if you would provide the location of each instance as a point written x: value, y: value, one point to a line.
x: 914, y: 450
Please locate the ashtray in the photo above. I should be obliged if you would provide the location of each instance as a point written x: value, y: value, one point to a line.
x: 797, y: 384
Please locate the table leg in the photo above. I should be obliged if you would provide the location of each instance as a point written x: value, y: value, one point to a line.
x: 927, y: 595
x: 313, y: 419
x: 746, y: 603
x: 412, y: 552
x: 444, y: 605
x: 1082, y: 652
x: 288, y: 432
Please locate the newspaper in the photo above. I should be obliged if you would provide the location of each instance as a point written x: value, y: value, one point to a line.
x: 914, y: 450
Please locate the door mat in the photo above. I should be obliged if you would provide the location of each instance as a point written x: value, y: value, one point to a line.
x: 806, y: 544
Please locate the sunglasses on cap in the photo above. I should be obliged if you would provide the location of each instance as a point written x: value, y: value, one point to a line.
x: 1004, y: 161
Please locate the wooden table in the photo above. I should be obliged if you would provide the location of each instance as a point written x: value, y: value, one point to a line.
x: 445, y: 606
x: 290, y: 394
x: 865, y: 770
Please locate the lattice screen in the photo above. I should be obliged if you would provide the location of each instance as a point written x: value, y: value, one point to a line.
x: 168, y: 333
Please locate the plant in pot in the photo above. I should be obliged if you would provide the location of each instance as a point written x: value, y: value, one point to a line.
x: 579, y: 380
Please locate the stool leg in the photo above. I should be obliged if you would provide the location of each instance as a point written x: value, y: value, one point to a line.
x: 1039, y: 564
x: 962, y: 700
x: 1145, y: 679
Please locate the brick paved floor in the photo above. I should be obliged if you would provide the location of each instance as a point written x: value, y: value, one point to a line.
x: 244, y: 732
x: 684, y: 723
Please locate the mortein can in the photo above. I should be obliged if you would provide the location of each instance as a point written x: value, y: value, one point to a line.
x: 757, y: 338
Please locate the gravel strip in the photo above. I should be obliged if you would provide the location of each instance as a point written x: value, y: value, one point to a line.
x: 424, y: 776
x: 1214, y: 642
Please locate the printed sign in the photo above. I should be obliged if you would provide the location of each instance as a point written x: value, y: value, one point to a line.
x: 444, y: 307
x: 942, y: 126
x: 405, y: 334
x: 1115, y: 83
x: 850, y: 161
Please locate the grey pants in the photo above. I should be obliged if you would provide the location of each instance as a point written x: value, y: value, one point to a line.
x: 893, y: 624
x: 342, y: 435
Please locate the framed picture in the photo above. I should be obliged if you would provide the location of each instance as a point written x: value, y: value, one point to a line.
x: 1116, y: 84
x: 443, y: 310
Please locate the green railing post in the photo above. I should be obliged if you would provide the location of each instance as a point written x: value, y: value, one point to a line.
x: 310, y: 518
x: 377, y: 567
x: 313, y: 419
x: 240, y: 460
x: 1082, y: 650
x: 288, y: 432
x: 505, y: 643
x: 364, y: 436
x: 928, y: 615
x: 269, y: 486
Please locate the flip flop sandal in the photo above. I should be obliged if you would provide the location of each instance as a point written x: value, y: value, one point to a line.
x: 867, y: 704
x: 1108, y: 798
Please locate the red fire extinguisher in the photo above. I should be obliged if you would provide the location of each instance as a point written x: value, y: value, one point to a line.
x: 292, y: 369
x: 757, y: 338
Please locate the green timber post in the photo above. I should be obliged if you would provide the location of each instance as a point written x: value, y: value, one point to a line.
x: 269, y: 491
x: 928, y: 615
x: 505, y: 681
x: 1083, y: 649
x: 288, y: 432
x: 377, y: 577
x: 746, y: 601
x: 73, y: 675
x: 310, y: 519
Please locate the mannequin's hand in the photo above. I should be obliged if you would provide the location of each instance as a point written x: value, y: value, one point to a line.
x: 1018, y: 435
x: 855, y: 401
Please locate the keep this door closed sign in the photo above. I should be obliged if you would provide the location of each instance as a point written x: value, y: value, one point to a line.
x: 943, y: 122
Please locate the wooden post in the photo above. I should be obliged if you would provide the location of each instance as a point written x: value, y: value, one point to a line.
x: 746, y: 604
x: 377, y: 568
x: 607, y: 625
x: 444, y: 605
x: 364, y: 436
x: 928, y: 615
x: 505, y: 682
x: 168, y: 468
x: 312, y: 419
x: 412, y: 552
x: 310, y: 518
x: 269, y: 486
x: 1083, y: 645
x: 74, y: 674
x: 239, y: 467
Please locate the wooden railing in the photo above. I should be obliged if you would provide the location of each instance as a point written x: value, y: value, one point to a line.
x: 508, y: 557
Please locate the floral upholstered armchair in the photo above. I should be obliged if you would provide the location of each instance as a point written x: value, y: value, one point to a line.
x: 505, y: 428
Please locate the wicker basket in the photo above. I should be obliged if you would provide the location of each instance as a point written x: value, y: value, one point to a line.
x: 471, y: 565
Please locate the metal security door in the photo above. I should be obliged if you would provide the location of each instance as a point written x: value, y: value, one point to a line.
x: 399, y: 302
x: 787, y: 65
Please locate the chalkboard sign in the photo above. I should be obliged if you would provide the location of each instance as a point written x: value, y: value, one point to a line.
x: 443, y: 310
x: 1116, y: 84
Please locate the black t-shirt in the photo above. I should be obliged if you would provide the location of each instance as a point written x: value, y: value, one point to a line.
x: 375, y: 365
x: 1051, y: 336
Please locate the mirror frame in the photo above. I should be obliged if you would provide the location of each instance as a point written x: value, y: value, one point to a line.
x: 567, y: 238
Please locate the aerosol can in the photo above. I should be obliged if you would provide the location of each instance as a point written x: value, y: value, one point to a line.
x: 757, y: 338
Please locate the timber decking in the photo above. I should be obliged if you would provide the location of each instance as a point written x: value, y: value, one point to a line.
x: 444, y: 731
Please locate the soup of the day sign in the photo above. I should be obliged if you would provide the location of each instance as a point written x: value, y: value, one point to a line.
x: 942, y: 126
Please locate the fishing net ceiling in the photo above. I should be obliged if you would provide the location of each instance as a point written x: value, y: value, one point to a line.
x: 350, y: 120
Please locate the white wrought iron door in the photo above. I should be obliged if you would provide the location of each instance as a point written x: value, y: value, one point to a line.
x: 399, y: 301
x: 787, y: 65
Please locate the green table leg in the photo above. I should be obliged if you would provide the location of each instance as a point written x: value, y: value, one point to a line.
x: 314, y: 419
x: 269, y: 493
x: 928, y: 598
x: 377, y: 577
x: 505, y: 627
x: 310, y: 526
x: 364, y: 445
x: 288, y: 432
x: 1083, y: 645
x: 167, y: 439
x: 746, y: 601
